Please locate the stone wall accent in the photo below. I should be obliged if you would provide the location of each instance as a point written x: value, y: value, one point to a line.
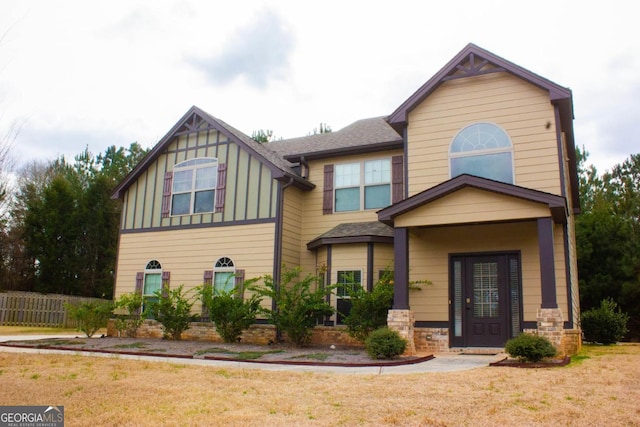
x: 201, y: 331
x: 431, y: 340
x: 551, y: 325
x: 571, y: 341
x: 403, y: 322
x: 333, y: 335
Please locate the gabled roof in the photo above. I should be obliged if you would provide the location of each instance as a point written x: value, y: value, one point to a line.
x: 557, y: 204
x: 363, y: 136
x: 357, y: 232
x: 473, y: 61
x: 197, y: 120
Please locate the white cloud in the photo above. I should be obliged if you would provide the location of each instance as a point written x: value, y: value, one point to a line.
x: 102, y: 72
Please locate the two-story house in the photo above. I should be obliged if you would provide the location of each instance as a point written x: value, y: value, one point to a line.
x: 471, y: 184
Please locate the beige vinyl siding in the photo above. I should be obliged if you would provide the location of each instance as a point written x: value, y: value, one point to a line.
x: 429, y: 250
x: 187, y: 253
x: 250, y: 192
x: 382, y: 259
x: 472, y: 205
x: 346, y: 258
x: 521, y: 109
x: 291, y: 227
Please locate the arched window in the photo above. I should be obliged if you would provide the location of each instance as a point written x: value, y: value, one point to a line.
x: 223, y: 275
x: 194, y: 185
x: 484, y: 150
x: 152, y: 283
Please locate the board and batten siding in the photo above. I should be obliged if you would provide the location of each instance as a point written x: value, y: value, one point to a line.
x: 250, y: 191
x: 187, y: 253
x: 429, y: 250
x: 521, y: 109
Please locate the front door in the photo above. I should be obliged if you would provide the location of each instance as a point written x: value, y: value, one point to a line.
x: 485, y: 303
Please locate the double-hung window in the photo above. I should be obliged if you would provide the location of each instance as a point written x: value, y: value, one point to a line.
x: 194, y: 185
x: 348, y: 281
x: 363, y: 185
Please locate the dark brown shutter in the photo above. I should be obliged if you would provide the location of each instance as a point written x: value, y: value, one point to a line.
x: 166, y: 195
x: 207, y: 283
x: 221, y: 187
x: 327, y: 200
x: 239, y: 277
x: 165, y: 283
x: 397, y: 178
x: 139, y: 288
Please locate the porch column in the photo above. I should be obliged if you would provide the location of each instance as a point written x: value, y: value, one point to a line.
x: 401, y: 269
x: 547, y: 264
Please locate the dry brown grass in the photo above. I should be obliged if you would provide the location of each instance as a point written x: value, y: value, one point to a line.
x: 601, y: 389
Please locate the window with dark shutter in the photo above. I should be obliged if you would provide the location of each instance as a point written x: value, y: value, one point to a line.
x: 221, y: 187
x: 166, y: 276
x: 207, y: 284
x: 239, y: 278
x: 139, y: 287
x: 327, y: 200
x: 397, y: 179
x: 166, y: 195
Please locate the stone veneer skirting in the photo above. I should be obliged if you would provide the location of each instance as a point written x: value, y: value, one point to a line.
x: 425, y: 340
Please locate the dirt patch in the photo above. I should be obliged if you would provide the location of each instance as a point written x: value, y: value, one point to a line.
x: 277, y: 353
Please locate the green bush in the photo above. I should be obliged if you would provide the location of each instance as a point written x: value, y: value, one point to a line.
x: 91, y: 316
x: 173, y: 310
x: 605, y: 324
x: 385, y: 343
x: 298, y: 306
x: 230, y: 313
x: 369, y: 310
x: 129, y: 322
x: 530, y: 348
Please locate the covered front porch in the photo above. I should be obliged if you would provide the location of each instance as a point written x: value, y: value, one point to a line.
x: 497, y: 257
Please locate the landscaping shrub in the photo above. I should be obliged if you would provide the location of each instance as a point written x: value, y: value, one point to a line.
x: 530, y: 348
x: 173, y: 310
x: 91, y: 316
x: 385, y: 343
x: 230, y: 313
x: 298, y: 306
x: 604, y: 325
x: 129, y: 322
x: 369, y: 309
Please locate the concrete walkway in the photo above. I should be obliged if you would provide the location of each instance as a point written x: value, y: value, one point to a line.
x: 442, y: 362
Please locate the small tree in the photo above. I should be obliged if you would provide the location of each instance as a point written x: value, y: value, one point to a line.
x: 173, y: 310
x: 606, y: 324
x: 230, y: 313
x: 130, y: 321
x: 299, y: 303
x: 91, y: 316
x: 369, y: 309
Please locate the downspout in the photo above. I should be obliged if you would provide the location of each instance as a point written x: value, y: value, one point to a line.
x: 277, y: 250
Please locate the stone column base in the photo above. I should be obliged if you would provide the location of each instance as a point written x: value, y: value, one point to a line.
x: 402, y: 321
x: 551, y: 326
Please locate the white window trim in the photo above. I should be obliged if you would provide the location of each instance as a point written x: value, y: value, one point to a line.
x: 349, y: 270
x: 148, y: 271
x: 178, y: 168
x: 361, y: 186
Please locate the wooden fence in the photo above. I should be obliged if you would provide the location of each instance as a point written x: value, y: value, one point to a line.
x: 34, y: 309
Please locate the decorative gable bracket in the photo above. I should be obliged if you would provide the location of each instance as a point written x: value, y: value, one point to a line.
x: 472, y: 65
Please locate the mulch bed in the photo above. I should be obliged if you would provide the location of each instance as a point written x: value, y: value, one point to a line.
x: 273, y: 354
x: 547, y: 363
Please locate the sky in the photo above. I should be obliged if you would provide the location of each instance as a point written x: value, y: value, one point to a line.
x: 76, y: 74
